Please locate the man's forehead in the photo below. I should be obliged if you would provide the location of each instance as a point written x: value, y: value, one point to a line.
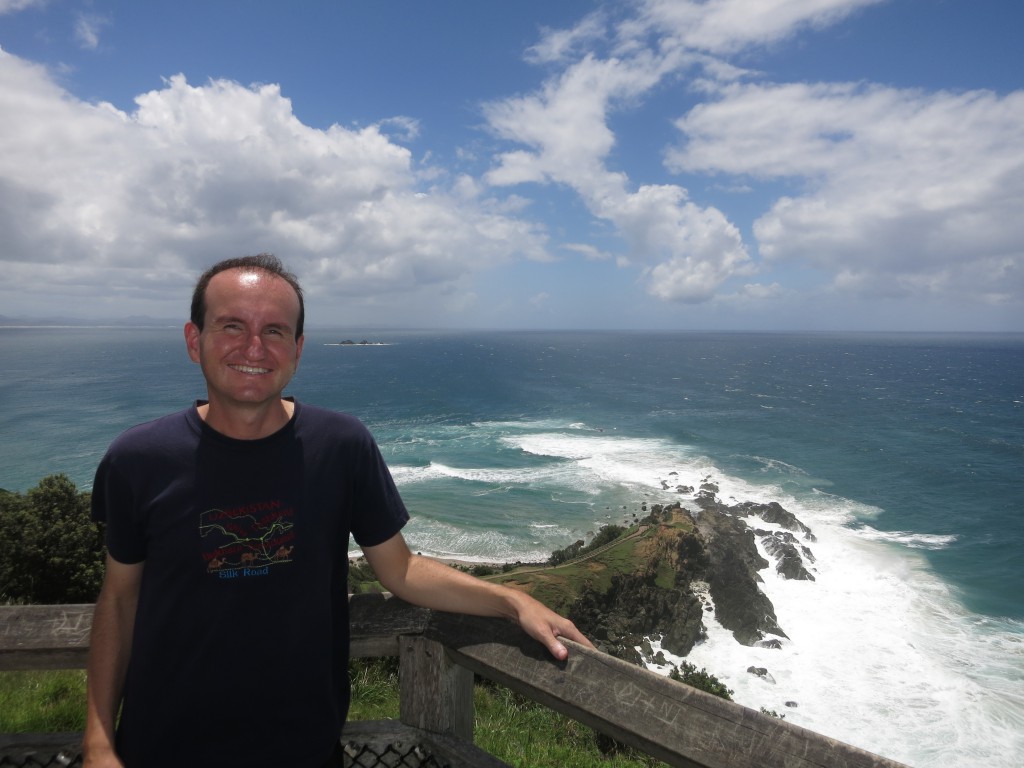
x: 238, y: 287
x: 250, y: 278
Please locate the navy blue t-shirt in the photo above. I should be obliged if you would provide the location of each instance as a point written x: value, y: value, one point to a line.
x: 240, y: 648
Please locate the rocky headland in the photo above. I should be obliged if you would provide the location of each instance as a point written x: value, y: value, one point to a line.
x: 667, y: 573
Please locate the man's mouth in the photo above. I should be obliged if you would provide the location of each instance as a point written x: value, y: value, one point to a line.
x: 249, y: 369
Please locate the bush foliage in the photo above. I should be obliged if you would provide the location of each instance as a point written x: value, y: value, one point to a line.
x: 606, y: 535
x: 50, y: 550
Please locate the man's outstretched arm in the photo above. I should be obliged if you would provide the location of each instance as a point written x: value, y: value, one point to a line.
x: 109, y: 649
x: 431, y: 584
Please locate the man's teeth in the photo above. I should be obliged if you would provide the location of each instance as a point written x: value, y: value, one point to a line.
x: 248, y: 369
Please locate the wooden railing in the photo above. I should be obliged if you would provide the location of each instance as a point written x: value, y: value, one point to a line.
x: 440, y: 652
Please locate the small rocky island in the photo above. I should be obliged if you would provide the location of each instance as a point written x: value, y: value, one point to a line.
x: 350, y: 343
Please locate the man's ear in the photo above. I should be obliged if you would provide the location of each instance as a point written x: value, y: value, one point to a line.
x: 192, y: 341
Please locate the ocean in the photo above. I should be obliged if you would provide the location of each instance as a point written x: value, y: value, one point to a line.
x: 904, y: 453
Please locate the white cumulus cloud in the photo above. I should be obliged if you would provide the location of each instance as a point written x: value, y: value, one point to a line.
x: 140, y: 200
x: 689, y: 250
x: 906, y: 192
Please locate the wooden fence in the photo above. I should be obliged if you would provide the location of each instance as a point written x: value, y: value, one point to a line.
x: 439, y: 654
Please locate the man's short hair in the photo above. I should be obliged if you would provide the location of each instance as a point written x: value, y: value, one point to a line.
x: 262, y: 262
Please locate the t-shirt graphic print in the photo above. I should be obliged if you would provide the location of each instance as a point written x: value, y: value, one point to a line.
x: 247, y: 540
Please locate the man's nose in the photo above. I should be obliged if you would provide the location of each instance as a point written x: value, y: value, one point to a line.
x: 255, y: 348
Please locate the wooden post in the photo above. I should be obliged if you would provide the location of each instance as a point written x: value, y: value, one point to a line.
x: 435, y: 693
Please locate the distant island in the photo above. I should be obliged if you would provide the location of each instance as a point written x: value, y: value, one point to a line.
x: 363, y: 343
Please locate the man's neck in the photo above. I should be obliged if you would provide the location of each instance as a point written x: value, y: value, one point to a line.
x: 247, y: 423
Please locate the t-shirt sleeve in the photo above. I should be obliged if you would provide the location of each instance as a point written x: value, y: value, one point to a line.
x: 113, y: 503
x: 379, y: 512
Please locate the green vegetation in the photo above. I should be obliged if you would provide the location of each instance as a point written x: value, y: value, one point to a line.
x: 50, y: 550
x: 701, y: 678
x: 511, y: 727
x: 361, y: 578
x: 529, y: 735
x: 659, y: 543
x: 606, y: 535
x: 374, y: 688
x: 42, y: 702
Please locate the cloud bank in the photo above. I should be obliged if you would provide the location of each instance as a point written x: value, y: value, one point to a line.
x: 876, y: 190
x: 91, y: 196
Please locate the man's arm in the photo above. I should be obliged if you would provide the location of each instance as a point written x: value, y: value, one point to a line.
x: 109, y: 649
x: 431, y: 584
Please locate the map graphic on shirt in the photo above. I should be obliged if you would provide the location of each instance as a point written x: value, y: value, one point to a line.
x: 247, y: 540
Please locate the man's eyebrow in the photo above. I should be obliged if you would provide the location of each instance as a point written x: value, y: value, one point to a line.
x: 279, y: 326
x: 224, y: 319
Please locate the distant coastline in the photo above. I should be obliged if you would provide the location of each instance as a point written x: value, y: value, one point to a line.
x: 131, y: 321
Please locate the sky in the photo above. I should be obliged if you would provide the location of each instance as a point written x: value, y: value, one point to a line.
x: 808, y: 165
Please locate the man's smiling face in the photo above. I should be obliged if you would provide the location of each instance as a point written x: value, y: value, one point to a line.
x: 247, y: 347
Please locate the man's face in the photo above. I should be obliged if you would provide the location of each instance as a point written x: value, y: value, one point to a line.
x: 247, y: 348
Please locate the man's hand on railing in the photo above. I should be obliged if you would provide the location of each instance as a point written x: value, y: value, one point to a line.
x: 428, y: 583
x: 546, y: 626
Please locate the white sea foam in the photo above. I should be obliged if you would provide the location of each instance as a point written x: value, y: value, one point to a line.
x: 404, y: 475
x: 438, y: 538
x: 880, y: 655
x: 587, y: 463
x: 545, y: 475
x: 606, y: 460
x: 907, y: 539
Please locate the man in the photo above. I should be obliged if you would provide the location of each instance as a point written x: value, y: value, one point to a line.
x: 221, y: 631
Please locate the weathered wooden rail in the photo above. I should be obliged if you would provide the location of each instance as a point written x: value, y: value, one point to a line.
x: 440, y: 652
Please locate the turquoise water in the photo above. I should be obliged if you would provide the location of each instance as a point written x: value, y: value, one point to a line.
x: 904, y: 453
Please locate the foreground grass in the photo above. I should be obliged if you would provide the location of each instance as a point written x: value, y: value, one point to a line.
x: 527, y: 735
x: 511, y: 727
x: 521, y: 732
x: 42, y: 702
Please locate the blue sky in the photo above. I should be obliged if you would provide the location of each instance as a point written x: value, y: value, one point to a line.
x: 727, y: 164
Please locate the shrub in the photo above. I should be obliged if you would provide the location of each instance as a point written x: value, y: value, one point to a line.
x: 689, y: 674
x: 50, y: 550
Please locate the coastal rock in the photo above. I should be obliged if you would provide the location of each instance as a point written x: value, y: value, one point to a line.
x: 773, y: 513
x: 633, y: 606
x: 661, y: 576
x: 783, y: 546
x: 763, y: 673
x: 707, y: 492
x: 740, y: 605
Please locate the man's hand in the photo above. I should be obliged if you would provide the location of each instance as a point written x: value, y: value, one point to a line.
x: 428, y: 583
x: 546, y: 626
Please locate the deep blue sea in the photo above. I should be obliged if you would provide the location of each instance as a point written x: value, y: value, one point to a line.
x: 903, y: 453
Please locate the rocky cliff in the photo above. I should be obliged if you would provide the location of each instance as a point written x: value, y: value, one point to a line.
x: 665, y: 575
